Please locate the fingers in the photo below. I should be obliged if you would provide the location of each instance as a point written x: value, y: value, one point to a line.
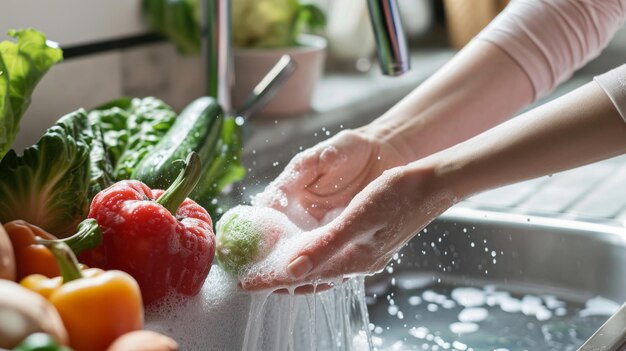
x: 307, y: 289
x: 320, y: 258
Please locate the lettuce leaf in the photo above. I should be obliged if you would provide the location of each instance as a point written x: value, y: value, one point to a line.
x: 22, y: 65
x: 51, y: 183
x: 131, y: 128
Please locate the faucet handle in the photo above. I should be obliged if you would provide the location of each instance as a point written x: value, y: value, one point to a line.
x: 393, y: 55
x: 267, y: 87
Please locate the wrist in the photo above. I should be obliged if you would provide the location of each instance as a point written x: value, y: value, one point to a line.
x: 443, y: 176
x: 386, y: 132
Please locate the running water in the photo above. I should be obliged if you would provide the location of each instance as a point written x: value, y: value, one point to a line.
x: 224, y: 318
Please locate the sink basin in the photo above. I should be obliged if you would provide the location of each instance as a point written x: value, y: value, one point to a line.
x: 479, y: 277
x: 476, y: 280
x: 560, y: 279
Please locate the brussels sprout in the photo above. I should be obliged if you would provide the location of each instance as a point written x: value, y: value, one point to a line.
x: 246, y: 235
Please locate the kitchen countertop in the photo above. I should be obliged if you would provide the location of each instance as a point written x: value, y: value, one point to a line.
x: 595, y: 193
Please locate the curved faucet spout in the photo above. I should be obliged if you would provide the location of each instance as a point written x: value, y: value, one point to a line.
x: 393, y: 54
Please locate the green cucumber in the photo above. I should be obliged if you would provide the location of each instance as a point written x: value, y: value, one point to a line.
x: 198, y: 128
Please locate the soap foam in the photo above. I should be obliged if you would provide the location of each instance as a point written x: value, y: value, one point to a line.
x: 283, y: 239
x: 225, y: 318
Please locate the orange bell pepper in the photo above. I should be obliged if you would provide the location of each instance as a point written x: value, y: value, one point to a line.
x: 34, y: 258
x: 96, y: 306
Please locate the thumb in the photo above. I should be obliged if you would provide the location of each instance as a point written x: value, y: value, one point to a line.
x: 329, y: 252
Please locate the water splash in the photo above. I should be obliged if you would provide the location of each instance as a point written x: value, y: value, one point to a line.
x: 222, y: 317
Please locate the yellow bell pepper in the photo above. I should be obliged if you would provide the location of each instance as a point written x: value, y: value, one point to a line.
x: 96, y: 306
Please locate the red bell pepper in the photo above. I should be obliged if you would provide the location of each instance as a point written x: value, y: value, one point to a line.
x: 162, y: 239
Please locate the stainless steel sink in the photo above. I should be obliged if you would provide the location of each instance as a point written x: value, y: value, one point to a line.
x: 531, y: 260
x: 541, y: 256
x: 540, y: 253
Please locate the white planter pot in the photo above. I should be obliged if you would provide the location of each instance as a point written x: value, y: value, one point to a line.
x: 294, y: 97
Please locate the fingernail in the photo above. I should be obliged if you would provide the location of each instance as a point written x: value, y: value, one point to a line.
x: 299, y: 267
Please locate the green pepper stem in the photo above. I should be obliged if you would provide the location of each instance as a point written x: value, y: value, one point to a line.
x: 66, y: 260
x: 88, y: 236
x: 183, y: 185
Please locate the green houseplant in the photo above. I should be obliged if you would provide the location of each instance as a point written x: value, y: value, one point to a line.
x: 273, y: 23
x: 263, y: 30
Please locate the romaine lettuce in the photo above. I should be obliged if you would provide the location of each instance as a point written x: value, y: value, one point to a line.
x: 131, y: 128
x: 50, y: 184
x: 22, y: 64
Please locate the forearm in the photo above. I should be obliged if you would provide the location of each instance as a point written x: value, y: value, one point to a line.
x: 524, y: 53
x: 579, y: 128
x: 479, y: 88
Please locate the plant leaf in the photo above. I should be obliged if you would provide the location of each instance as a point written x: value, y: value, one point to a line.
x: 23, y: 65
x: 49, y: 184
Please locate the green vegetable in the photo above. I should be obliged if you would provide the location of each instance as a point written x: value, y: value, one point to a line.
x: 247, y: 234
x: 101, y: 168
x: 22, y: 65
x: 256, y: 23
x: 51, y: 184
x: 238, y: 242
x: 225, y: 168
x: 198, y: 128
x: 131, y: 129
x: 178, y: 20
x: 273, y: 23
x: 138, y: 129
x: 40, y: 342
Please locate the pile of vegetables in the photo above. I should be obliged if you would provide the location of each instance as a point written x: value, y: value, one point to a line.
x: 128, y: 188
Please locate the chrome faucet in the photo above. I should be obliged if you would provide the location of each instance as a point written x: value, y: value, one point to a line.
x: 393, y: 55
x: 217, y: 51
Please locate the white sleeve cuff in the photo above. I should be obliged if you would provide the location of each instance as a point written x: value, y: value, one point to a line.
x: 613, y: 83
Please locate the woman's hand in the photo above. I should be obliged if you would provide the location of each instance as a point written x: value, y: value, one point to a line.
x: 327, y: 176
x: 375, y: 225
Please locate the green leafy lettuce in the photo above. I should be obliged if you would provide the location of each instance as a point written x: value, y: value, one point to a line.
x: 131, y: 128
x: 22, y: 64
x: 51, y: 184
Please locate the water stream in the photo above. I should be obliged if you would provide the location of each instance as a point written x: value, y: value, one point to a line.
x: 223, y: 318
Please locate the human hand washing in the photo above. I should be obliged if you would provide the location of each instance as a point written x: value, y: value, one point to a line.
x: 310, y: 247
x: 326, y: 177
x: 360, y: 240
x: 330, y: 214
